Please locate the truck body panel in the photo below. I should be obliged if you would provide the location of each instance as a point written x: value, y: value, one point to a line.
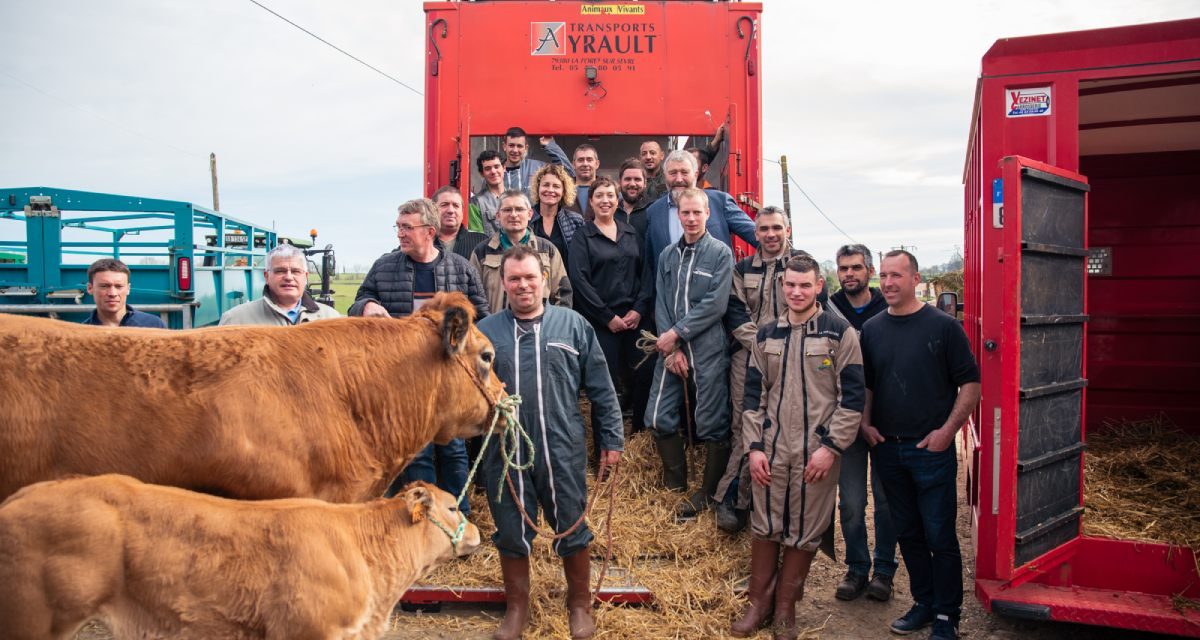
x: 1073, y: 336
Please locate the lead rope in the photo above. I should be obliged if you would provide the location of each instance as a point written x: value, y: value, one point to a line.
x: 511, y: 439
x: 648, y: 343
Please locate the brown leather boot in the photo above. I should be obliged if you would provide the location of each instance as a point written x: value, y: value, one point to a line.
x: 788, y: 589
x: 578, y: 568
x: 764, y: 558
x: 516, y: 598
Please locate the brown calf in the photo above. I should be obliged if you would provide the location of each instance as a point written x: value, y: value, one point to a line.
x: 161, y: 562
x: 330, y: 409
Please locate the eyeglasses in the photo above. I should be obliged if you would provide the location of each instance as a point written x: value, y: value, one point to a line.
x: 408, y: 228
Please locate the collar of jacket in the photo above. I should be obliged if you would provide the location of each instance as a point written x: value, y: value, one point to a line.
x: 787, y: 252
x: 306, y: 301
x: 503, y: 242
x: 683, y: 243
x: 809, y: 327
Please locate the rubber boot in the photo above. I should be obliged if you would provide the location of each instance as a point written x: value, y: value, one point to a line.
x: 716, y: 457
x: 578, y: 568
x: 764, y: 558
x: 516, y: 598
x: 788, y: 589
x: 674, y: 461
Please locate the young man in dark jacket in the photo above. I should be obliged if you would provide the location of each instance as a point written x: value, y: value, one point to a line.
x: 858, y: 303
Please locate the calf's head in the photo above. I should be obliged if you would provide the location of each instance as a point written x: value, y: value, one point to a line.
x: 435, y: 513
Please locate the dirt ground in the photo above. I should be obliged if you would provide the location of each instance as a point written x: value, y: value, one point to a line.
x: 826, y: 617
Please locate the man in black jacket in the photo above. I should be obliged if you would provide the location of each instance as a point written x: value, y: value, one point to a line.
x: 859, y: 302
x: 397, y: 285
x: 400, y: 281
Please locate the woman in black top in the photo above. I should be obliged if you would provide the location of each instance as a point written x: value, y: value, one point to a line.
x: 605, y: 267
x: 551, y: 191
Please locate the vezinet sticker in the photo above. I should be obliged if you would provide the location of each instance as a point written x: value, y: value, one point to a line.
x: 1029, y: 102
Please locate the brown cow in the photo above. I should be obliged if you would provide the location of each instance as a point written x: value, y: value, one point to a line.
x: 161, y: 562
x: 330, y: 409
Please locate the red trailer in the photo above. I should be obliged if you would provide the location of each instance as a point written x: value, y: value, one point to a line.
x: 612, y: 74
x: 1082, y: 304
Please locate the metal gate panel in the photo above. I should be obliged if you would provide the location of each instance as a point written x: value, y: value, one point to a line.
x: 1051, y: 231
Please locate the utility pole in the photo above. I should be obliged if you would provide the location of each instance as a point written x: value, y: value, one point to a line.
x: 787, y: 196
x: 212, y: 168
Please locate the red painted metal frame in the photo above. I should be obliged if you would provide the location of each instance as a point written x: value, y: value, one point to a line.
x: 705, y: 67
x: 425, y: 595
x: 1089, y: 580
x: 1009, y: 306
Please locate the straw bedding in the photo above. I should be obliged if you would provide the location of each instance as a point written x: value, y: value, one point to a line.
x: 692, y: 569
x: 1143, y: 483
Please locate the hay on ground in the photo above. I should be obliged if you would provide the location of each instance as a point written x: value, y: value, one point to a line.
x: 693, y: 569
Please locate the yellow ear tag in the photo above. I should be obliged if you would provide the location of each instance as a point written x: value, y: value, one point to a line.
x: 418, y: 512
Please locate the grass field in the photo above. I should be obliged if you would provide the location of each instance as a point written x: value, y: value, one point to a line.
x: 345, y: 285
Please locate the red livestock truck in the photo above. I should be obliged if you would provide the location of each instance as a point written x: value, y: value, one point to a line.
x: 1082, y: 303
x: 611, y: 74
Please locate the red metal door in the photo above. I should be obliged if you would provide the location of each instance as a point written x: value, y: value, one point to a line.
x: 1043, y: 218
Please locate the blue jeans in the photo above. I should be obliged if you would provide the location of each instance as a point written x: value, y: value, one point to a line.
x: 852, y: 507
x: 449, y: 473
x: 922, y: 491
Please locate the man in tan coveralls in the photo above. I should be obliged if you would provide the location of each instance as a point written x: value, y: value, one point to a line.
x: 803, y: 401
x: 755, y: 300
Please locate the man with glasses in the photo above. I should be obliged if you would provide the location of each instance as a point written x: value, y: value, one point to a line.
x: 401, y: 281
x: 285, y: 299
x: 515, y: 213
x: 396, y: 286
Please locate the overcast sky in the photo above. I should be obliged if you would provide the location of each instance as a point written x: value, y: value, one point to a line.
x: 870, y: 101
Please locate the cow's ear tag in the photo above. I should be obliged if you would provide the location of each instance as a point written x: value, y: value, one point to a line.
x: 418, y: 499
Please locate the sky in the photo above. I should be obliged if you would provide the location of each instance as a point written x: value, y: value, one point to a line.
x: 870, y: 101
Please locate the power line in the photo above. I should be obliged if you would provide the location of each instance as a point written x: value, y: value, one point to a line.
x: 337, y: 48
x: 814, y: 204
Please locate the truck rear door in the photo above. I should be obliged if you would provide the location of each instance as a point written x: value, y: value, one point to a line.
x: 1044, y: 220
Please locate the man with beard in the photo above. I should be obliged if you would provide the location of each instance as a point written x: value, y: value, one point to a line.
x: 755, y: 300
x: 859, y: 302
x: 692, y: 280
x: 651, y: 155
x: 587, y: 163
x: 803, y: 405
x: 631, y: 181
x: 451, y: 234
x: 662, y: 226
x: 546, y: 355
x: 519, y: 167
x: 922, y: 385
